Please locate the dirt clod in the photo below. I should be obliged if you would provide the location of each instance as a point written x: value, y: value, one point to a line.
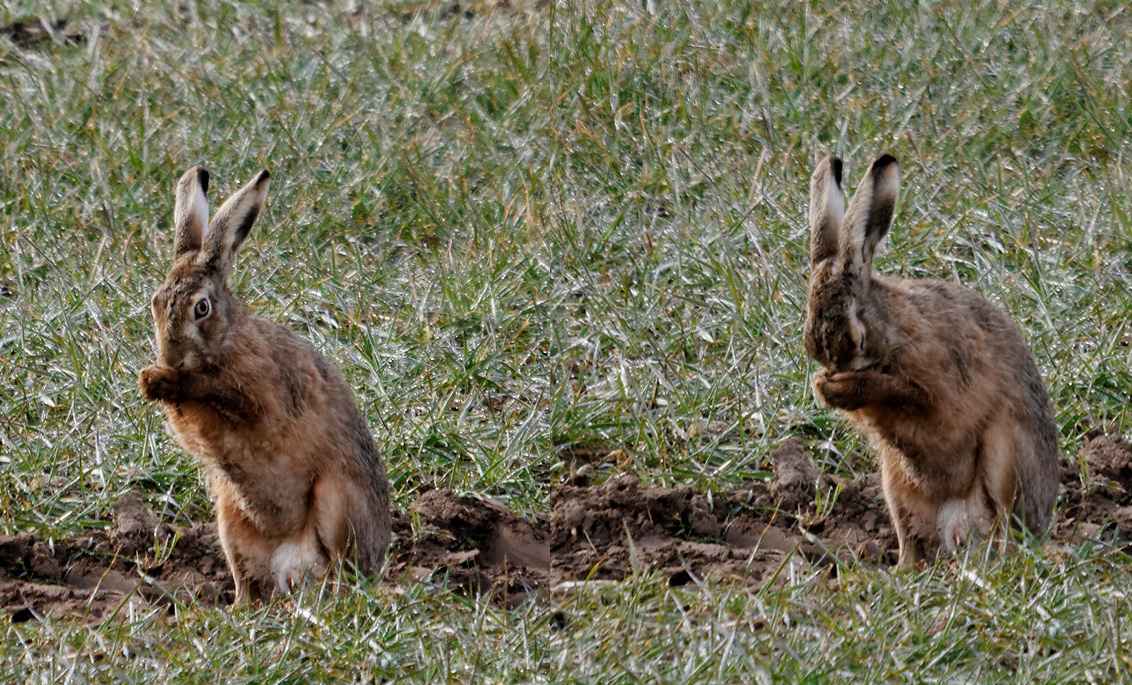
x: 114, y: 570
x: 33, y: 32
x: 794, y: 475
x: 135, y: 526
x: 1110, y: 458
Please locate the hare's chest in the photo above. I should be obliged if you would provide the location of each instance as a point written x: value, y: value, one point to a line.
x: 274, y: 495
x: 938, y: 461
x: 270, y: 483
x: 197, y: 430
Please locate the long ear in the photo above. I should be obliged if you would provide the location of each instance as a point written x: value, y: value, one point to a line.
x: 233, y: 221
x: 190, y: 212
x: 827, y: 207
x: 870, y: 215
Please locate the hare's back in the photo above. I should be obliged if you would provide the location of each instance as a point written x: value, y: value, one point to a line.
x: 325, y: 404
x: 952, y: 311
x: 960, y: 343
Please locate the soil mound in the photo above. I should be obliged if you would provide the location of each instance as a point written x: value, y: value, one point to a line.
x: 762, y: 532
x: 473, y: 544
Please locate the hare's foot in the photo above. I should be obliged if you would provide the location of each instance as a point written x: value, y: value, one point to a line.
x: 953, y: 524
x: 157, y: 382
x: 840, y: 390
x: 852, y: 390
x: 296, y: 561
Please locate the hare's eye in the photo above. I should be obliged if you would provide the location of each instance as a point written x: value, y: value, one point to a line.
x: 202, y: 309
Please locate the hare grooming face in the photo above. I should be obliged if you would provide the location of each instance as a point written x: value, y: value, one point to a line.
x: 937, y: 377
x: 298, y: 482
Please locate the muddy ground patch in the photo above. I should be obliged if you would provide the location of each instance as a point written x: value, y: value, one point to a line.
x: 761, y: 532
x: 139, y: 562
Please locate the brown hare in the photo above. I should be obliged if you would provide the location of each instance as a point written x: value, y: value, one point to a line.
x: 937, y: 377
x: 297, y: 479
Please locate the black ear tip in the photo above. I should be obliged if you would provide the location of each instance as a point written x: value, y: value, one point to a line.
x: 263, y: 176
x: 835, y: 167
x: 885, y: 161
x: 202, y: 177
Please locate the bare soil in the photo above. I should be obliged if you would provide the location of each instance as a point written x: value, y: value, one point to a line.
x: 139, y: 562
x: 762, y: 532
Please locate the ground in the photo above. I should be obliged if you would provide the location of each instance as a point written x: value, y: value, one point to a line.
x: 591, y: 533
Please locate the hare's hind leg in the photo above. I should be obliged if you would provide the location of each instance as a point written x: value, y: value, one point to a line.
x: 997, y: 482
x: 1010, y: 472
x: 352, y: 521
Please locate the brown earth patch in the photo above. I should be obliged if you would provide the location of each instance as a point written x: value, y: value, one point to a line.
x: 762, y: 532
x: 1095, y: 504
x: 473, y: 544
x: 138, y: 563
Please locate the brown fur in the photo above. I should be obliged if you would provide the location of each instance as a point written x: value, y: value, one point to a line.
x: 289, y: 457
x: 937, y: 377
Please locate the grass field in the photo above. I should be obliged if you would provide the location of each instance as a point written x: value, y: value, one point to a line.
x: 533, y: 228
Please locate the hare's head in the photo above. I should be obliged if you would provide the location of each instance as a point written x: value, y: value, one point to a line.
x: 843, y: 328
x: 194, y: 310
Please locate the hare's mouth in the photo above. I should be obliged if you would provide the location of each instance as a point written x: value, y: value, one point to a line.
x: 187, y: 362
x: 861, y: 363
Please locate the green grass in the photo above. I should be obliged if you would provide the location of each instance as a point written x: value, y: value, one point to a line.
x: 549, y: 226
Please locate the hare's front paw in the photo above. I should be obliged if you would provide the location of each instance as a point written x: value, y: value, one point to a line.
x: 157, y: 382
x: 840, y: 390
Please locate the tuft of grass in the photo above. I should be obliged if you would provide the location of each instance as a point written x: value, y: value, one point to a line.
x: 524, y: 229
